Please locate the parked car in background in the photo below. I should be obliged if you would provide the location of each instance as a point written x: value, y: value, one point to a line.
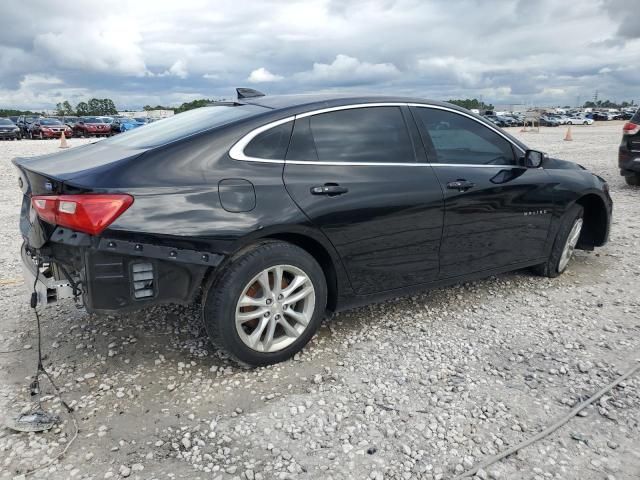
x: 92, y: 126
x: 70, y: 121
x: 24, y: 122
x: 577, y: 120
x: 123, y: 124
x: 497, y: 121
x: 9, y: 130
x: 629, y: 151
x: 107, y: 120
x: 600, y: 116
x: 275, y: 210
x: 506, y: 119
x: 48, y: 128
x: 547, y: 121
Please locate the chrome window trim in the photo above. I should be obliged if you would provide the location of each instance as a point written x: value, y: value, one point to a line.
x: 237, y: 150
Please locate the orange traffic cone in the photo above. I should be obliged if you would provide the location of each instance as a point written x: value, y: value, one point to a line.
x: 568, y: 136
x: 63, y: 141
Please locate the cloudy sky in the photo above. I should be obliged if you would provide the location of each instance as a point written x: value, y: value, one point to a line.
x: 167, y: 52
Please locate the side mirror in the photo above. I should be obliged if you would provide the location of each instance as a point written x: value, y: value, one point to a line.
x: 533, y: 158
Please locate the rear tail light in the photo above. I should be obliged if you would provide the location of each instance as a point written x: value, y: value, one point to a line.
x: 88, y: 213
x: 630, y: 128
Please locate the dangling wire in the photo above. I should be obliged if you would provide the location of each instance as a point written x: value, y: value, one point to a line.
x: 35, y: 384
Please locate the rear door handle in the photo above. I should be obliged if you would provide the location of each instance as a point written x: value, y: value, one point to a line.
x: 329, y: 189
x: 461, y: 185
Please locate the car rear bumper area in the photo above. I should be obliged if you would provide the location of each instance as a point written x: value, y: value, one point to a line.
x: 628, y: 162
x: 114, y: 275
x: 44, y: 280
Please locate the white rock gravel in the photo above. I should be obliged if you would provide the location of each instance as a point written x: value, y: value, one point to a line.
x: 421, y: 387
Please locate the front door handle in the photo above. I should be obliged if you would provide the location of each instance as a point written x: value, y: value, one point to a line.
x: 330, y: 189
x: 461, y: 185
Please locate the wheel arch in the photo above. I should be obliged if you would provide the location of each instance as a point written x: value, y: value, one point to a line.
x: 595, y: 228
x: 338, y: 284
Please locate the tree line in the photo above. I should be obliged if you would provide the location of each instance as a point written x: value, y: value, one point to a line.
x: 471, y: 103
x: 203, y: 102
x: 106, y: 106
x: 608, y: 104
x: 95, y: 106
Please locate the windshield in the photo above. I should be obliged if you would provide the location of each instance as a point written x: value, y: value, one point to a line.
x: 93, y: 120
x: 183, y: 125
x: 50, y: 121
x: 4, y: 121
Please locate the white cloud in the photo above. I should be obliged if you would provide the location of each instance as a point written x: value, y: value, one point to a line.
x: 178, y: 69
x: 260, y: 75
x: 134, y: 51
x: 346, y: 70
x: 111, y: 46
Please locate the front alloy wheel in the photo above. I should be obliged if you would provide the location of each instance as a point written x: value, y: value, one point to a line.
x: 564, y: 244
x: 570, y: 245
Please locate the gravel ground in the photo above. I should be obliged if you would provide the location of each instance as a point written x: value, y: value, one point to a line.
x: 420, y: 387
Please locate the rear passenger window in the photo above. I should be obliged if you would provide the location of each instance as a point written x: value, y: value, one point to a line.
x: 270, y: 144
x: 460, y: 140
x: 370, y: 134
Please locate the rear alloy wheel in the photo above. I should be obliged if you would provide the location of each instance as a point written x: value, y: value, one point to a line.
x: 564, y: 244
x: 266, y: 304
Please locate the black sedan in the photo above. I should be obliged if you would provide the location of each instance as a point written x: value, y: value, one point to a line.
x: 9, y: 130
x: 271, y: 211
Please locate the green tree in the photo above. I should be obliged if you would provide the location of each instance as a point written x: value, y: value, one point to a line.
x: 82, y: 109
x: 95, y: 106
x: 108, y: 107
x: 471, y: 103
x: 64, y: 108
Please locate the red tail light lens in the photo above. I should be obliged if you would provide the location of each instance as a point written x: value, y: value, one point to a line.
x: 89, y: 213
x: 630, y: 128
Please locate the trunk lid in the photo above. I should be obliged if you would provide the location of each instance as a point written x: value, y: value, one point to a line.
x: 54, y: 174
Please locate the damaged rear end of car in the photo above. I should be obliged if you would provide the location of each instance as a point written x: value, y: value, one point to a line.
x: 100, y: 222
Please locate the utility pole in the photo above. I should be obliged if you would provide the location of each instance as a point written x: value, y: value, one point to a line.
x: 595, y: 97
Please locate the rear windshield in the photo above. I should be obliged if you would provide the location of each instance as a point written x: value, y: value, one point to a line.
x: 183, y: 125
x: 636, y: 117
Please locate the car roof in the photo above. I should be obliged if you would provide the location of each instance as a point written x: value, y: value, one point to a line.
x: 314, y: 101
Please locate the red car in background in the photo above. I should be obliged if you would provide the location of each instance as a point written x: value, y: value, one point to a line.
x: 88, y: 126
x: 48, y: 128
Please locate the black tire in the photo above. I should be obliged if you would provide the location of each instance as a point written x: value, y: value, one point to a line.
x: 633, y: 179
x: 222, y: 294
x: 550, y: 267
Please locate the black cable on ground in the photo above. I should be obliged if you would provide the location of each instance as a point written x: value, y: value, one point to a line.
x: 549, y: 430
x: 35, y: 385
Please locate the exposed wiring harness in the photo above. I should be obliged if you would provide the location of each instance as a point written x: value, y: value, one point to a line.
x: 552, y: 428
x: 35, y: 384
